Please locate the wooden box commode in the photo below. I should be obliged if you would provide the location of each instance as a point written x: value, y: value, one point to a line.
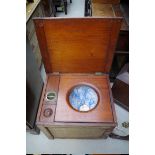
x: 76, y: 101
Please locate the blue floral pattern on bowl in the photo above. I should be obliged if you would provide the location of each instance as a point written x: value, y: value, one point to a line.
x: 83, y: 98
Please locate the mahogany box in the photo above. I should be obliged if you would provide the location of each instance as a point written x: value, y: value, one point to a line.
x: 77, y: 53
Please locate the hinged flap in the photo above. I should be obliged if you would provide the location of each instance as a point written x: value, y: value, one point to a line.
x: 77, y: 45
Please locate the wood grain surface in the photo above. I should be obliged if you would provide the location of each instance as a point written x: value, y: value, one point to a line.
x: 52, y: 84
x: 77, y: 45
x: 102, y: 112
x: 39, y: 28
x: 50, y: 123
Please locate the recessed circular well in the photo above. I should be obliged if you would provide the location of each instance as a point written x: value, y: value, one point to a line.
x: 51, y: 96
x: 83, y: 98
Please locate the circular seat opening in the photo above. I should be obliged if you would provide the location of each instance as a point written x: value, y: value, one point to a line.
x: 83, y: 98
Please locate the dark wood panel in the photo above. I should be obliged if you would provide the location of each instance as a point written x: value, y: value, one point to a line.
x: 80, y: 45
x: 123, y: 41
x: 120, y: 92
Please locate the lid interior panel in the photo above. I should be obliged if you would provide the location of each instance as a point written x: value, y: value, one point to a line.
x: 77, y: 45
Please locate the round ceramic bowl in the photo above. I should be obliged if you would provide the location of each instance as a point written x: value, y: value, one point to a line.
x: 83, y: 98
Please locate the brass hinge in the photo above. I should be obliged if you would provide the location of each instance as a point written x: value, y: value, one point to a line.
x: 99, y: 73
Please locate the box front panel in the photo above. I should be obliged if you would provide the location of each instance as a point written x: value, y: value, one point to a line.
x: 77, y: 132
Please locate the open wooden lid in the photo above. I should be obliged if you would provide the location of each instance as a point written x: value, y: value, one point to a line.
x: 77, y: 45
